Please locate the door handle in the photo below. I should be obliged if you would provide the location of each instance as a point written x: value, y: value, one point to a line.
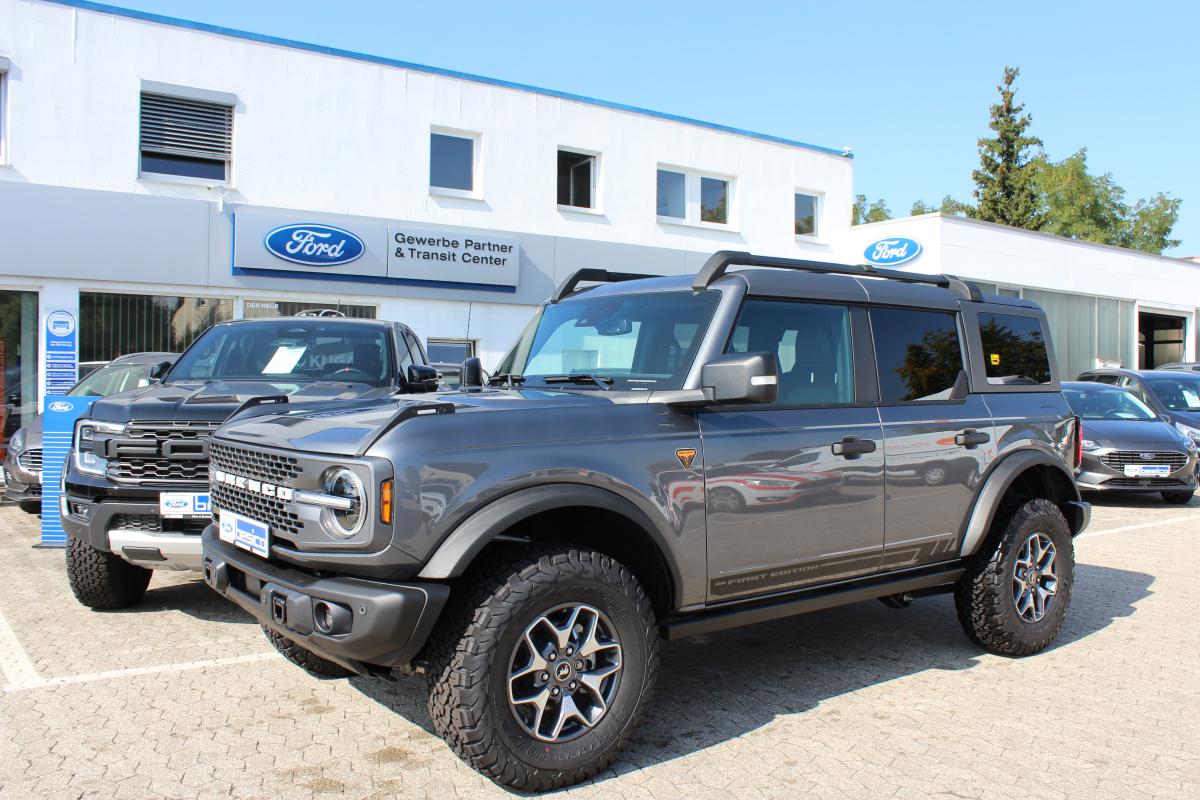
x: 852, y: 447
x: 971, y: 438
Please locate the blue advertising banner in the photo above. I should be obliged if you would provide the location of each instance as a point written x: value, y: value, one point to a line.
x: 58, y: 426
x: 61, y: 364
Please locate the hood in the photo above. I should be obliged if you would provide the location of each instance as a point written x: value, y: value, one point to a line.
x: 1124, y: 434
x: 214, y: 401
x: 351, y: 428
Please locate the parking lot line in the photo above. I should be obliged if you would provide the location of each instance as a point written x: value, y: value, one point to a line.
x: 1139, y: 526
x: 32, y: 681
x: 14, y: 661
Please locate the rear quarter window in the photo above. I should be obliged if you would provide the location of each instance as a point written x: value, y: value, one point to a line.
x: 1014, y: 349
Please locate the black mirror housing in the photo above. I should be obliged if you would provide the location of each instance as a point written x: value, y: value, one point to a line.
x: 422, y: 378
x: 160, y: 369
x: 472, y: 373
x: 736, y: 378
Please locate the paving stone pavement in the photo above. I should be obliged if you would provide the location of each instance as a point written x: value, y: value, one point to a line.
x: 182, y: 697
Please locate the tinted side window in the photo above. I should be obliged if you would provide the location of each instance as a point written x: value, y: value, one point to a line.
x: 812, y: 343
x: 1014, y: 349
x: 918, y: 352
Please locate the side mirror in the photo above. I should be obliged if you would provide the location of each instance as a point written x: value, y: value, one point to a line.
x: 422, y: 378
x: 737, y: 378
x: 472, y: 373
x: 160, y: 369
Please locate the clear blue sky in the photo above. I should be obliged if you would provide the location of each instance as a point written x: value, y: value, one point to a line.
x: 906, y: 85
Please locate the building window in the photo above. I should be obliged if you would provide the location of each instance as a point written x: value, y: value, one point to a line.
x: 185, y: 137
x: 3, y: 110
x: 672, y: 194
x: 452, y: 160
x: 806, y: 214
x: 18, y: 362
x: 256, y: 309
x: 112, y: 325
x: 694, y: 198
x: 576, y: 179
x: 449, y: 351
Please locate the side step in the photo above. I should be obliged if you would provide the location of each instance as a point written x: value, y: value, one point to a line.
x: 816, y: 600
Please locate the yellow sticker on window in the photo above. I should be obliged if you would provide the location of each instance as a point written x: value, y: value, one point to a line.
x: 995, y: 359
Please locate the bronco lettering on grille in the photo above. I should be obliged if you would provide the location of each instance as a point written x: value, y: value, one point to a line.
x: 251, y: 485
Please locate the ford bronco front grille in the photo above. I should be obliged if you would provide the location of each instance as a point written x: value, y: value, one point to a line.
x: 254, y: 464
x: 161, y: 452
x: 1117, y: 459
x: 271, y: 510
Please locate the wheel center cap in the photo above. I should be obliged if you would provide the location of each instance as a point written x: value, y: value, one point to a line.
x: 1033, y: 577
x: 562, y: 671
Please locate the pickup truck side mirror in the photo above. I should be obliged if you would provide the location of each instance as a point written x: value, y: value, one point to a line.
x: 472, y: 373
x: 160, y: 369
x: 422, y: 378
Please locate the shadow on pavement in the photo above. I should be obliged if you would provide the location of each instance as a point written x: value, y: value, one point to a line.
x: 715, y: 688
x: 192, y: 597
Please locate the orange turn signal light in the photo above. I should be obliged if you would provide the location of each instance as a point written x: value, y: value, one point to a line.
x: 385, y: 502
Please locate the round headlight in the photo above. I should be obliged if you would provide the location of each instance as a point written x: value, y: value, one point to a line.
x: 341, y: 482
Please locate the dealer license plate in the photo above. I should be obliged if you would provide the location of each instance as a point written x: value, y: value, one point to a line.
x: 246, y: 533
x: 1147, y: 470
x: 184, y: 505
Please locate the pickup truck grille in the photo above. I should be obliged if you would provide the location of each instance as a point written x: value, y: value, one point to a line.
x: 152, y: 523
x: 161, y: 452
x: 1119, y: 458
x: 31, y: 459
x: 254, y: 464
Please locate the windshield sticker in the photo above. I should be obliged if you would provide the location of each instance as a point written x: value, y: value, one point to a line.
x: 284, y: 360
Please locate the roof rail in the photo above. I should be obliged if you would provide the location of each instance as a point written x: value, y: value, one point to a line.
x: 720, y: 261
x: 592, y: 274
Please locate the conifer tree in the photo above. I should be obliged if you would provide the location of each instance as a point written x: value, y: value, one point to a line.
x: 1004, y: 183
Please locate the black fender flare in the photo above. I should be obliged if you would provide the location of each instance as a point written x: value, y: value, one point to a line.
x: 457, y: 550
x: 999, y: 479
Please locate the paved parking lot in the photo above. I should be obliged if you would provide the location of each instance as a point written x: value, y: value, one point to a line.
x: 183, y: 697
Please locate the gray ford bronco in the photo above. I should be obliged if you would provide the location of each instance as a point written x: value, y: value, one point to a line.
x: 657, y: 458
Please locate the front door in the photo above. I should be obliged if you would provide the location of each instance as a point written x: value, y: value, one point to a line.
x: 794, y: 489
x: 938, y: 441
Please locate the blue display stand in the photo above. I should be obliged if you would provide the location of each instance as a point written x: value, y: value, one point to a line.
x: 58, y: 426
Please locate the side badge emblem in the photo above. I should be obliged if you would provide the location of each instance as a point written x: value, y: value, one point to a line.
x: 685, y: 456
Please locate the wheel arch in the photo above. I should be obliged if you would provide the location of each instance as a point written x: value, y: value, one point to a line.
x: 1028, y: 473
x: 597, y: 518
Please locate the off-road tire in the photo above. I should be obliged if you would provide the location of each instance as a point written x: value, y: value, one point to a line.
x: 1178, y: 498
x: 984, y: 595
x: 469, y: 658
x: 306, y: 660
x: 103, y: 581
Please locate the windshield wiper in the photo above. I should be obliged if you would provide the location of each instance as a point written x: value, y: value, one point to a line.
x: 603, y: 381
x: 508, y: 379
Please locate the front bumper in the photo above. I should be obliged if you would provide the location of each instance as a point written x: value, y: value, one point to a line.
x: 20, y: 484
x: 377, y: 624
x: 1096, y: 476
x: 108, y: 528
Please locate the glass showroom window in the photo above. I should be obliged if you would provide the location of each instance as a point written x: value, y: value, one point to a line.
x: 112, y: 325
x: 255, y: 309
x: 185, y: 138
x: 3, y: 109
x: 576, y: 179
x: 806, y: 214
x: 691, y: 197
x: 452, y: 162
x: 18, y: 362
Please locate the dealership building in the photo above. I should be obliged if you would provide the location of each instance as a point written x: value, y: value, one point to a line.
x: 158, y: 175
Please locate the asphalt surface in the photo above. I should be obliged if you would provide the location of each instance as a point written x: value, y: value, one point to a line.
x: 182, y: 697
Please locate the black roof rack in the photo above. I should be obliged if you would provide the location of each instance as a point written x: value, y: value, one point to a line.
x: 720, y: 261
x: 592, y: 274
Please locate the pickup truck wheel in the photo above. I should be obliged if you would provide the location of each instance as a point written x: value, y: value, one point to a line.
x: 307, y: 660
x: 103, y: 581
x: 1015, y: 592
x: 541, y: 669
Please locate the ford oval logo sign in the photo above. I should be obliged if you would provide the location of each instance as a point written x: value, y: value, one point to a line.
x: 314, y: 245
x: 890, y: 252
x: 61, y: 406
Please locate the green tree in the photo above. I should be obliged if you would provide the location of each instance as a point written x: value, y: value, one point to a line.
x: 864, y: 212
x: 1004, y: 182
x: 1080, y: 205
x: 948, y: 206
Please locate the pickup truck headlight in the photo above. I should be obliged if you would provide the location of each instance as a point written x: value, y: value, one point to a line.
x: 86, y: 460
x: 344, y: 522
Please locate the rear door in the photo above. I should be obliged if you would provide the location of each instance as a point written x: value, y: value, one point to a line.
x: 937, y: 444
x: 794, y: 489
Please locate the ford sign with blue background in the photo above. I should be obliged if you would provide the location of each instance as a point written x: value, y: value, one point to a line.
x: 314, y: 245
x: 58, y: 428
x: 890, y: 252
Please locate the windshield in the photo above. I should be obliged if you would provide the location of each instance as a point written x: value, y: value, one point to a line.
x: 291, y: 350
x: 1177, y: 394
x: 112, y: 378
x: 643, y: 342
x: 1107, y: 404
